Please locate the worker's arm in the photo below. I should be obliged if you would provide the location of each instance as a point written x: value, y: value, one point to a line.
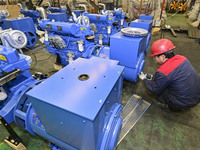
x: 159, y: 83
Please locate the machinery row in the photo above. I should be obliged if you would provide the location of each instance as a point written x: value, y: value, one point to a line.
x: 79, y: 107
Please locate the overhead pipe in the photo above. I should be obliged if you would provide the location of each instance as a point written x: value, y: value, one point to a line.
x: 42, y: 12
x: 84, y: 6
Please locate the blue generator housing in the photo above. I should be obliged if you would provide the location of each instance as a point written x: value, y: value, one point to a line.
x: 79, y: 106
x: 25, y: 25
x: 58, y: 17
x: 130, y: 52
x: 11, y: 62
x: 146, y: 17
x: 35, y: 15
x: 144, y: 24
x: 56, y: 10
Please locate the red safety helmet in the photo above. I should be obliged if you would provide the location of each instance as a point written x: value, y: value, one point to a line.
x: 161, y: 46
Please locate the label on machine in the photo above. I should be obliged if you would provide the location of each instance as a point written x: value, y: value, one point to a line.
x: 2, y: 57
x: 36, y: 121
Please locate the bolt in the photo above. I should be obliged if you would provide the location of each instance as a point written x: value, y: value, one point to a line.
x: 12, y: 141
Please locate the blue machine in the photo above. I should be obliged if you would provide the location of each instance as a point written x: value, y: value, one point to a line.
x: 63, y: 9
x: 146, y: 17
x: 144, y: 24
x: 34, y: 14
x: 57, y: 10
x: 25, y: 25
x: 58, y: 17
x: 119, y: 16
x: 67, y: 40
x: 15, y: 78
x: 78, y: 107
x: 103, y: 26
x: 129, y: 51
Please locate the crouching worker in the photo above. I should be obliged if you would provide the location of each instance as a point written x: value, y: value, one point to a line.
x: 175, y: 82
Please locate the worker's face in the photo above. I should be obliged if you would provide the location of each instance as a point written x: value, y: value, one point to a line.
x: 160, y: 59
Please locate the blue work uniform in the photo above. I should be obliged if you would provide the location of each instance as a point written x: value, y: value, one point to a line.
x: 177, y: 83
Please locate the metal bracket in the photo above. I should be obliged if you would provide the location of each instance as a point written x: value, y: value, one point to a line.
x: 13, y: 140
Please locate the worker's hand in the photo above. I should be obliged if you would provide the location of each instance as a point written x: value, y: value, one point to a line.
x: 142, y: 76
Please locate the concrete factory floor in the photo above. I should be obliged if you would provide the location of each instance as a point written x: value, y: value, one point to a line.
x: 157, y: 129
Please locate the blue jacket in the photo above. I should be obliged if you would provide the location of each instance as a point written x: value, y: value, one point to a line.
x: 178, y: 78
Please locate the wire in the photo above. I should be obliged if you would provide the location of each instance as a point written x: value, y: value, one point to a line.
x: 35, y: 61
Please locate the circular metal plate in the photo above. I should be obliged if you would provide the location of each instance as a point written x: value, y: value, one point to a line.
x: 134, y: 32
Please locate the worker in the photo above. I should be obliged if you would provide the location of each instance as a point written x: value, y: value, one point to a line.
x: 175, y: 82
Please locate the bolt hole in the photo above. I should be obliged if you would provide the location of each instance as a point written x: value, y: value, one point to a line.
x: 83, y: 77
x: 62, y: 78
x: 95, y: 87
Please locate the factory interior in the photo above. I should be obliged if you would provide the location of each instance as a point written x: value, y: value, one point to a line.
x: 74, y: 74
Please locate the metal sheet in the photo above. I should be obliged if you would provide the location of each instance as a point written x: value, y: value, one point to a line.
x: 132, y: 112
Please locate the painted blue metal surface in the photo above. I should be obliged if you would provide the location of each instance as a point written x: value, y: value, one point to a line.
x: 129, y: 51
x: 86, y: 120
x: 120, y: 17
x: 144, y: 24
x: 146, y: 17
x: 9, y: 61
x: 69, y: 35
x: 56, y: 10
x: 25, y: 25
x: 58, y: 17
x: 35, y: 15
x: 105, y: 27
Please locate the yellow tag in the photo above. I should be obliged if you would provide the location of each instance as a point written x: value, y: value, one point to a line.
x: 3, y: 58
x: 0, y: 17
x: 122, y: 13
x: 110, y: 18
x: 81, y: 28
x: 74, y: 42
x: 104, y: 28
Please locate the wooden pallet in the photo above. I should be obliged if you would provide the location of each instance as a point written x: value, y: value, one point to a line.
x: 194, y: 33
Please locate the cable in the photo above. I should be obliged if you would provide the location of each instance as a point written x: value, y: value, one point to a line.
x: 35, y: 61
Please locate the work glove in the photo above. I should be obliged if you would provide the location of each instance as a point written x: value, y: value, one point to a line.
x: 143, y: 76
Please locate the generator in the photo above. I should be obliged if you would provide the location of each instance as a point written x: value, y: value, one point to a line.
x: 103, y: 26
x: 58, y: 17
x: 129, y: 47
x: 67, y: 41
x: 119, y: 14
x: 25, y: 25
x: 15, y: 77
x: 87, y: 120
x: 144, y: 24
x: 146, y: 17
x: 57, y: 9
x: 35, y: 15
